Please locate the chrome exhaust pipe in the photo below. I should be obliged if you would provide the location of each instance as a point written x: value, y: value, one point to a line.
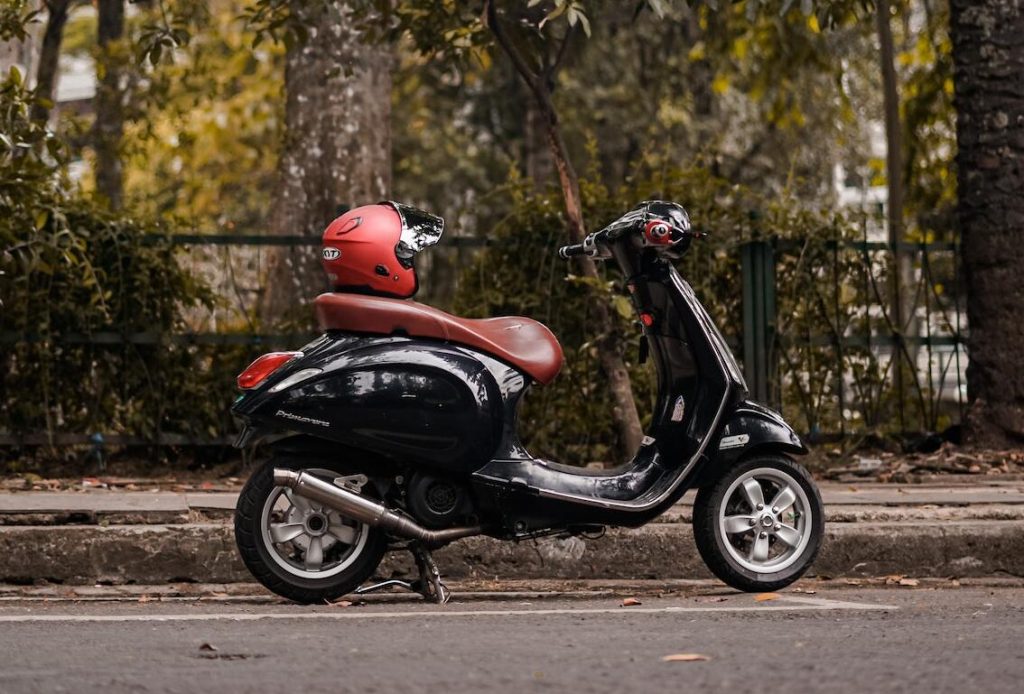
x: 358, y: 507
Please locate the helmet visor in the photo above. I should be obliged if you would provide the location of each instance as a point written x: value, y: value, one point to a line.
x: 419, y: 230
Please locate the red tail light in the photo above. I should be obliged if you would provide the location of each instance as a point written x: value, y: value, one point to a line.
x: 258, y: 371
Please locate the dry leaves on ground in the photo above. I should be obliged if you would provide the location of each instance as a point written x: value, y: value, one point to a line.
x: 207, y: 647
x: 341, y: 603
x: 630, y: 602
x: 686, y: 658
x: 764, y: 597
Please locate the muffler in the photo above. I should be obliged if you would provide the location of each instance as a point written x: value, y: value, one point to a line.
x: 358, y: 507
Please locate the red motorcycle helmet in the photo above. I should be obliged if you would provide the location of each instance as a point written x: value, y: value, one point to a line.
x: 370, y: 249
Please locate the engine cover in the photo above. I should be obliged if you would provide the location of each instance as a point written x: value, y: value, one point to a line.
x: 437, y: 502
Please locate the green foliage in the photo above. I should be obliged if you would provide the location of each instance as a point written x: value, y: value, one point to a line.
x: 15, y: 18
x: 170, y: 27
x: 202, y: 147
x: 930, y: 173
x: 830, y: 307
x: 68, y: 271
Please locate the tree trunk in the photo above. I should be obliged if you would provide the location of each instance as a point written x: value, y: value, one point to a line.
x: 109, y: 125
x: 49, y: 55
x: 337, y: 148
x: 624, y: 409
x: 988, y: 61
x: 539, y: 168
x: 901, y: 269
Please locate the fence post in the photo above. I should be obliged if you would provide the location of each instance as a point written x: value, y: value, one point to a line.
x: 757, y: 264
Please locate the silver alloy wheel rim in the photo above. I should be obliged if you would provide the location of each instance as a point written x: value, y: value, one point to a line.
x: 765, y: 520
x: 311, y: 531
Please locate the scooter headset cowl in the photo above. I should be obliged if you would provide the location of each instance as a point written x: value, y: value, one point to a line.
x: 370, y: 249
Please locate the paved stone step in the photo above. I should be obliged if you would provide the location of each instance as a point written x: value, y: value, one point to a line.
x: 845, y: 503
x: 206, y: 553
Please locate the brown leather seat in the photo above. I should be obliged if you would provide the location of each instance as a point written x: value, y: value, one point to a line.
x: 522, y: 342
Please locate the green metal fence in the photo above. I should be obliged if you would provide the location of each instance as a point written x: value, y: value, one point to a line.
x: 817, y: 337
x: 836, y: 356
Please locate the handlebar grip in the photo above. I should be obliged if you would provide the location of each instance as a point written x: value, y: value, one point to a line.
x: 571, y: 251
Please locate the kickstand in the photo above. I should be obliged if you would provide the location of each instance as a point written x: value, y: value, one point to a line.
x: 428, y: 585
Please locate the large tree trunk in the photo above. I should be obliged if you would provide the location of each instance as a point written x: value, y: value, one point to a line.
x: 109, y: 125
x: 337, y: 148
x: 49, y: 55
x: 988, y: 60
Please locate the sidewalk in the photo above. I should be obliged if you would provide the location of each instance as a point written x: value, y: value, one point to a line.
x: 124, y: 537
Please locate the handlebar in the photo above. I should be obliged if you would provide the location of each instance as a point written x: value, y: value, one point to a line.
x: 571, y: 251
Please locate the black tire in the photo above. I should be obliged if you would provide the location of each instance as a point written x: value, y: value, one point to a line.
x: 256, y: 555
x: 712, y: 544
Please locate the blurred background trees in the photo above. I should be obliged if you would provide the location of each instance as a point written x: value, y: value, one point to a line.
x: 768, y: 119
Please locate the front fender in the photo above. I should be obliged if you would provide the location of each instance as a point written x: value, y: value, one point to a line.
x: 755, y: 428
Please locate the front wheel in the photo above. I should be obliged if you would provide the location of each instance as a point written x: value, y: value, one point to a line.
x: 759, y: 526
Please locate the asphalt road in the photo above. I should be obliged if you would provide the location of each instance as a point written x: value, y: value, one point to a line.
x: 852, y: 640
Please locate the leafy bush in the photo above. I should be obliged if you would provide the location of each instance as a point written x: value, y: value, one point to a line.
x: 520, y: 273
x: 68, y: 272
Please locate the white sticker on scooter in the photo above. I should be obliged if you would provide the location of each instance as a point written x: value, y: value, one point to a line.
x: 678, y: 409
x: 734, y: 441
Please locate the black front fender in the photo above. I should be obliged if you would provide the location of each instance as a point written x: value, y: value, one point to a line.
x: 753, y: 428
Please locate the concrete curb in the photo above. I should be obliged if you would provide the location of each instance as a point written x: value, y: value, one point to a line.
x: 205, y: 553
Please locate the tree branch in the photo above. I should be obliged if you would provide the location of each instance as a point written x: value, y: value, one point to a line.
x: 492, y: 22
x: 552, y: 71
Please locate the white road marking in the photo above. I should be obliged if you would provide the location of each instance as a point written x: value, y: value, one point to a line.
x: 793, y: 604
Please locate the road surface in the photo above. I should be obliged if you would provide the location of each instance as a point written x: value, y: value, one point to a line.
x: 837, y: 640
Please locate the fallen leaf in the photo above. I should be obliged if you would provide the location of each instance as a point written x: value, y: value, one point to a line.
x: 805, y: 591
x: 764, y: 597
x: 144, y: 598
x: 686, y: 658
x: 630, y: 602
x: 893, y: 579
x: 911, y: 582
x: 207, y: 647
x: 711, y: 598
x: 341, y: 603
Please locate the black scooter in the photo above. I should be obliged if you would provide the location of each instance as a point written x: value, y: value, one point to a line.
x: 397, y: 430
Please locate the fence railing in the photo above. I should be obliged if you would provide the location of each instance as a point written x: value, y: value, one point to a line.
x: 870, y: 337
x: 818, y: 336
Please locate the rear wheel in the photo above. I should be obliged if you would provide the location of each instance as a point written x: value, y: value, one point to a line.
x: 298, y: 548
x: 759, y: 526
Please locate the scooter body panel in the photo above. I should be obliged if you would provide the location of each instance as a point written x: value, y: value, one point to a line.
x: 422, y: 402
